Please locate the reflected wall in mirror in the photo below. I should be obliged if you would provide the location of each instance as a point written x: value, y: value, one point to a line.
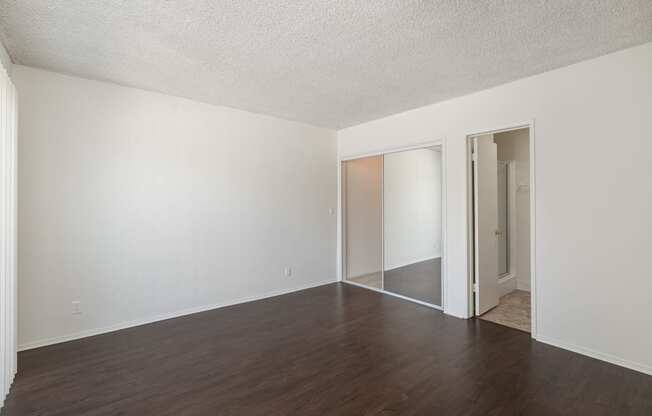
x: 362, y: 207
x: 503, y: 218
x: 412, y: 212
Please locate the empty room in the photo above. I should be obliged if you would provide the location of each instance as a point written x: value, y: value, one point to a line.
x: 325, y: 208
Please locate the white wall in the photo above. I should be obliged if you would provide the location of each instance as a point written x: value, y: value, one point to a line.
x: 8, y: 114
x: 141, y: 205
x: 593, y: 168
x: 412, y: 207
x: 515, y: 145
x: 364, y: 216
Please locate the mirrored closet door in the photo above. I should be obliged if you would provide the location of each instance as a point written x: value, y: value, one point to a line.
x: 392, y: 206
x: 363, y: 226
x: 412, y: 224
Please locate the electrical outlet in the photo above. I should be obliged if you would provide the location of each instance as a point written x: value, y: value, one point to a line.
x: 76, y: 307
x: 288, y: 271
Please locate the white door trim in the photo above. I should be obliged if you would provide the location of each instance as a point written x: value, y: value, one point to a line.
x: 341, y: 219
x: 470, y: 221
x: 386, y: 151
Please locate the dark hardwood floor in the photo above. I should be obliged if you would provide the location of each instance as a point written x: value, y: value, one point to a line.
x: 331, y: 350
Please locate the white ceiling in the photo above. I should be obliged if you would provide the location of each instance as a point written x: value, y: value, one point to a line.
x: 328, y: 63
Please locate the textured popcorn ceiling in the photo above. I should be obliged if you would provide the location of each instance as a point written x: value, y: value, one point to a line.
x: 328, y: 63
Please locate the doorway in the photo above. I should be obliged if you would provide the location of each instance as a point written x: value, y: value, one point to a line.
x: 501, y: 219
x: 392, y: 216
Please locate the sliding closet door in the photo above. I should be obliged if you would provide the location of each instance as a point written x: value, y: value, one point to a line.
x: 412, y: 211
x: 363, y: 242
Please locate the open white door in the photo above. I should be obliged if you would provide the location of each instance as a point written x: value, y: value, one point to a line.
x: 485, y: 179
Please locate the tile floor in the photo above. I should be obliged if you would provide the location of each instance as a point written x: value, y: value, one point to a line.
x: 512, y: 311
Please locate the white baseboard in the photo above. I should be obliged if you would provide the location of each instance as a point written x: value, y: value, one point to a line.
x: 506, y: 284
x: 507, y: 278
x: 456, y: 315
x: 162, y: 317
x: 521, y: 285
x: 612, y: 359
x: 412, y: 262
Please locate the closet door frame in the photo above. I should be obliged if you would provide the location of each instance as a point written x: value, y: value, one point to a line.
x: 342, y: 223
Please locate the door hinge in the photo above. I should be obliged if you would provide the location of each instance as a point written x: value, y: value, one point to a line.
x: 475, y: 288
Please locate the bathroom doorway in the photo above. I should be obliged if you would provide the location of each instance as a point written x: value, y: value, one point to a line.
x: 501, y: 227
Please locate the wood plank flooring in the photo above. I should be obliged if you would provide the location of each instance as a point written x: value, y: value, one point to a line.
x: 332, y: 350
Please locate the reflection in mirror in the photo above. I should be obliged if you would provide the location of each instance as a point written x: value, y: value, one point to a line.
x: 503, y: 218
x: 362, y: 204
x: 412, y: 202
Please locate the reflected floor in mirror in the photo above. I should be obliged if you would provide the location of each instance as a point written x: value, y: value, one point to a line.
x: 420, y: 281
x: 372, y: 280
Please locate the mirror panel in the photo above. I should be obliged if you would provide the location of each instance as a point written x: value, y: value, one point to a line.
x: 412, y: 212
x: 362, y: 207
